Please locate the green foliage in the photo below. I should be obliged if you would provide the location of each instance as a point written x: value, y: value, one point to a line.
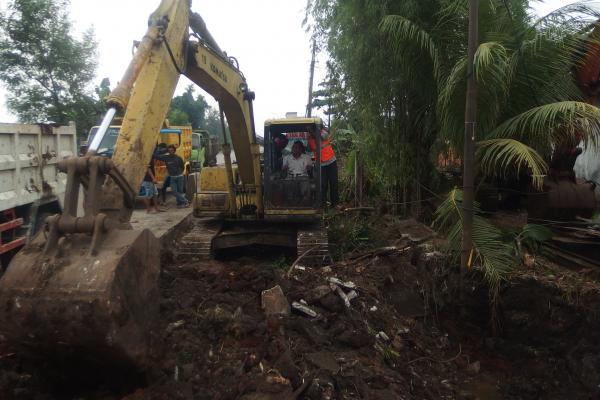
x: 178, y: 118
x: 491, y: 251
x: 375, y: 93
x: 401, y: 87
x: 498, y: 157
x: 191, y: 109
x: 46, y: 70
x: 531, y: 237
x: 282, y: 262
x: 188, y: 110
x: 349, y: 234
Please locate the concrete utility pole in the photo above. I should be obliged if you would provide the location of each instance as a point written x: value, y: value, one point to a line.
x: 469, y: 149
x: 310, y: 80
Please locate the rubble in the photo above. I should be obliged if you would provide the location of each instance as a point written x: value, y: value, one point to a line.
x: 304, y: 309
x: 274, y: 302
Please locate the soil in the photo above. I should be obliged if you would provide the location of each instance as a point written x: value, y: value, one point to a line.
x: 403, y: 337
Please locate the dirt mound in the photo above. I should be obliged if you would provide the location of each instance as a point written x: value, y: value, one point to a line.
x: 382, y: 325
x: 221, y: 345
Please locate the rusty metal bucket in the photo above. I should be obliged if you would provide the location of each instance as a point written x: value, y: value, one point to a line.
x: 104, y: 307
x: 86, y: 285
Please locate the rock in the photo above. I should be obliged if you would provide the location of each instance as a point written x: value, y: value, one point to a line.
x: 274, y: 302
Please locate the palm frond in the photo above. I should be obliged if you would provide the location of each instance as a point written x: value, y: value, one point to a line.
x: 403, y: 32
x: 491, y: 252
x: 574, y: 15
x: 490, y: 56
x: 550, y: 122
x: 498, y: 157
x: 450, y: 109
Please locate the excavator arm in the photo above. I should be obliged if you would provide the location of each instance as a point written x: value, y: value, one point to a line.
x: 88, y: 282
x: 144, y: 94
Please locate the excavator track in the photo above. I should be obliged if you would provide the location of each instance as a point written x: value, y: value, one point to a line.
x: 314, y: 242
x: 197, y: 243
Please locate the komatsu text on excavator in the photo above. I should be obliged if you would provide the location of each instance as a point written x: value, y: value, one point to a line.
x: 88, y: 284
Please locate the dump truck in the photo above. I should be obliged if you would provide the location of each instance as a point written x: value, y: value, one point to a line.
x: 31, y: 188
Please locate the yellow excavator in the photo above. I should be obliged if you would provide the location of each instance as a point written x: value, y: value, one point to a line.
x: 88, y: 284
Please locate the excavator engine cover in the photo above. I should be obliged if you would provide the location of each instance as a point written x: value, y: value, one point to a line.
x: 102, y: 308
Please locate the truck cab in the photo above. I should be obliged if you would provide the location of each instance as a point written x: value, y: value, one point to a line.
x: 179, y: 136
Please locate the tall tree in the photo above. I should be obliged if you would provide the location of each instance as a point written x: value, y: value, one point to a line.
x: 191, y: 109
x: 188, y: 109
x: 46, y: 69
x: 400, y: 70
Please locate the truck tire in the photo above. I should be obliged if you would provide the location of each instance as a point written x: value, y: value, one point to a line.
x: 191, y: 185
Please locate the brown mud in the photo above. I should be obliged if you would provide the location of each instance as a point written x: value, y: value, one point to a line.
x: 403, y: 337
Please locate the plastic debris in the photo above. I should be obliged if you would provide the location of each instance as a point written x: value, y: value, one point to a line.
x: 381, y: 335
x: 175, y: 325
x: 304, y: 309
x: 339, y: 282
x: 346, y: 297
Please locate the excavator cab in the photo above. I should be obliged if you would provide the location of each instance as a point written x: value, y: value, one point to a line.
x: 289, y: 191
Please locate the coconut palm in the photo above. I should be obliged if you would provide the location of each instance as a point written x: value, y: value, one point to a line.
x: 527, y: 93
x: 528, y: 97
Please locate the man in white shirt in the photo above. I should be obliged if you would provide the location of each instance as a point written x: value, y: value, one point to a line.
x: 298, y: 163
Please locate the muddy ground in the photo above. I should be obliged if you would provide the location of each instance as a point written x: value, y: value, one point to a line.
x: 403, y: 337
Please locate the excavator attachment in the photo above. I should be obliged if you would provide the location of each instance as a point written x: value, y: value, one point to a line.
x: 84, y: 286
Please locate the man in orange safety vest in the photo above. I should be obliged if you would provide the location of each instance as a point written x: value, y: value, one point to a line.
x: 329, y: 169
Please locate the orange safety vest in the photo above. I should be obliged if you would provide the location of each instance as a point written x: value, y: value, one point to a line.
x: 326, y: 148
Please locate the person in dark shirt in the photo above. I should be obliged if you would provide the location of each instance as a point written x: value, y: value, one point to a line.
x: 175, y: 168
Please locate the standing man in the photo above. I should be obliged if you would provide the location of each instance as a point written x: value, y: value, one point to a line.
x: 175, y: 167
x: 329, y: 169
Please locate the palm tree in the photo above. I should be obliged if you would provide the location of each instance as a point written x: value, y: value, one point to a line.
x: 528, y: 97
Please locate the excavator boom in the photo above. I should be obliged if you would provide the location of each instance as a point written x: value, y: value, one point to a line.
x: 88, y: 284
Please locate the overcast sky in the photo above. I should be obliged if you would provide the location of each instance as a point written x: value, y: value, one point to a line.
x: 266, y: 36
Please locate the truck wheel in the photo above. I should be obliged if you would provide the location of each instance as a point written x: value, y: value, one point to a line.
x: 190, y: 187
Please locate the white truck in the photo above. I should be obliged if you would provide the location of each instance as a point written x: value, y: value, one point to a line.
x: 31, y: 188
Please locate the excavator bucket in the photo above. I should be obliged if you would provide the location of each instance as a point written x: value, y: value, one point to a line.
x: 85, y: 287
x: 102, y: 308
